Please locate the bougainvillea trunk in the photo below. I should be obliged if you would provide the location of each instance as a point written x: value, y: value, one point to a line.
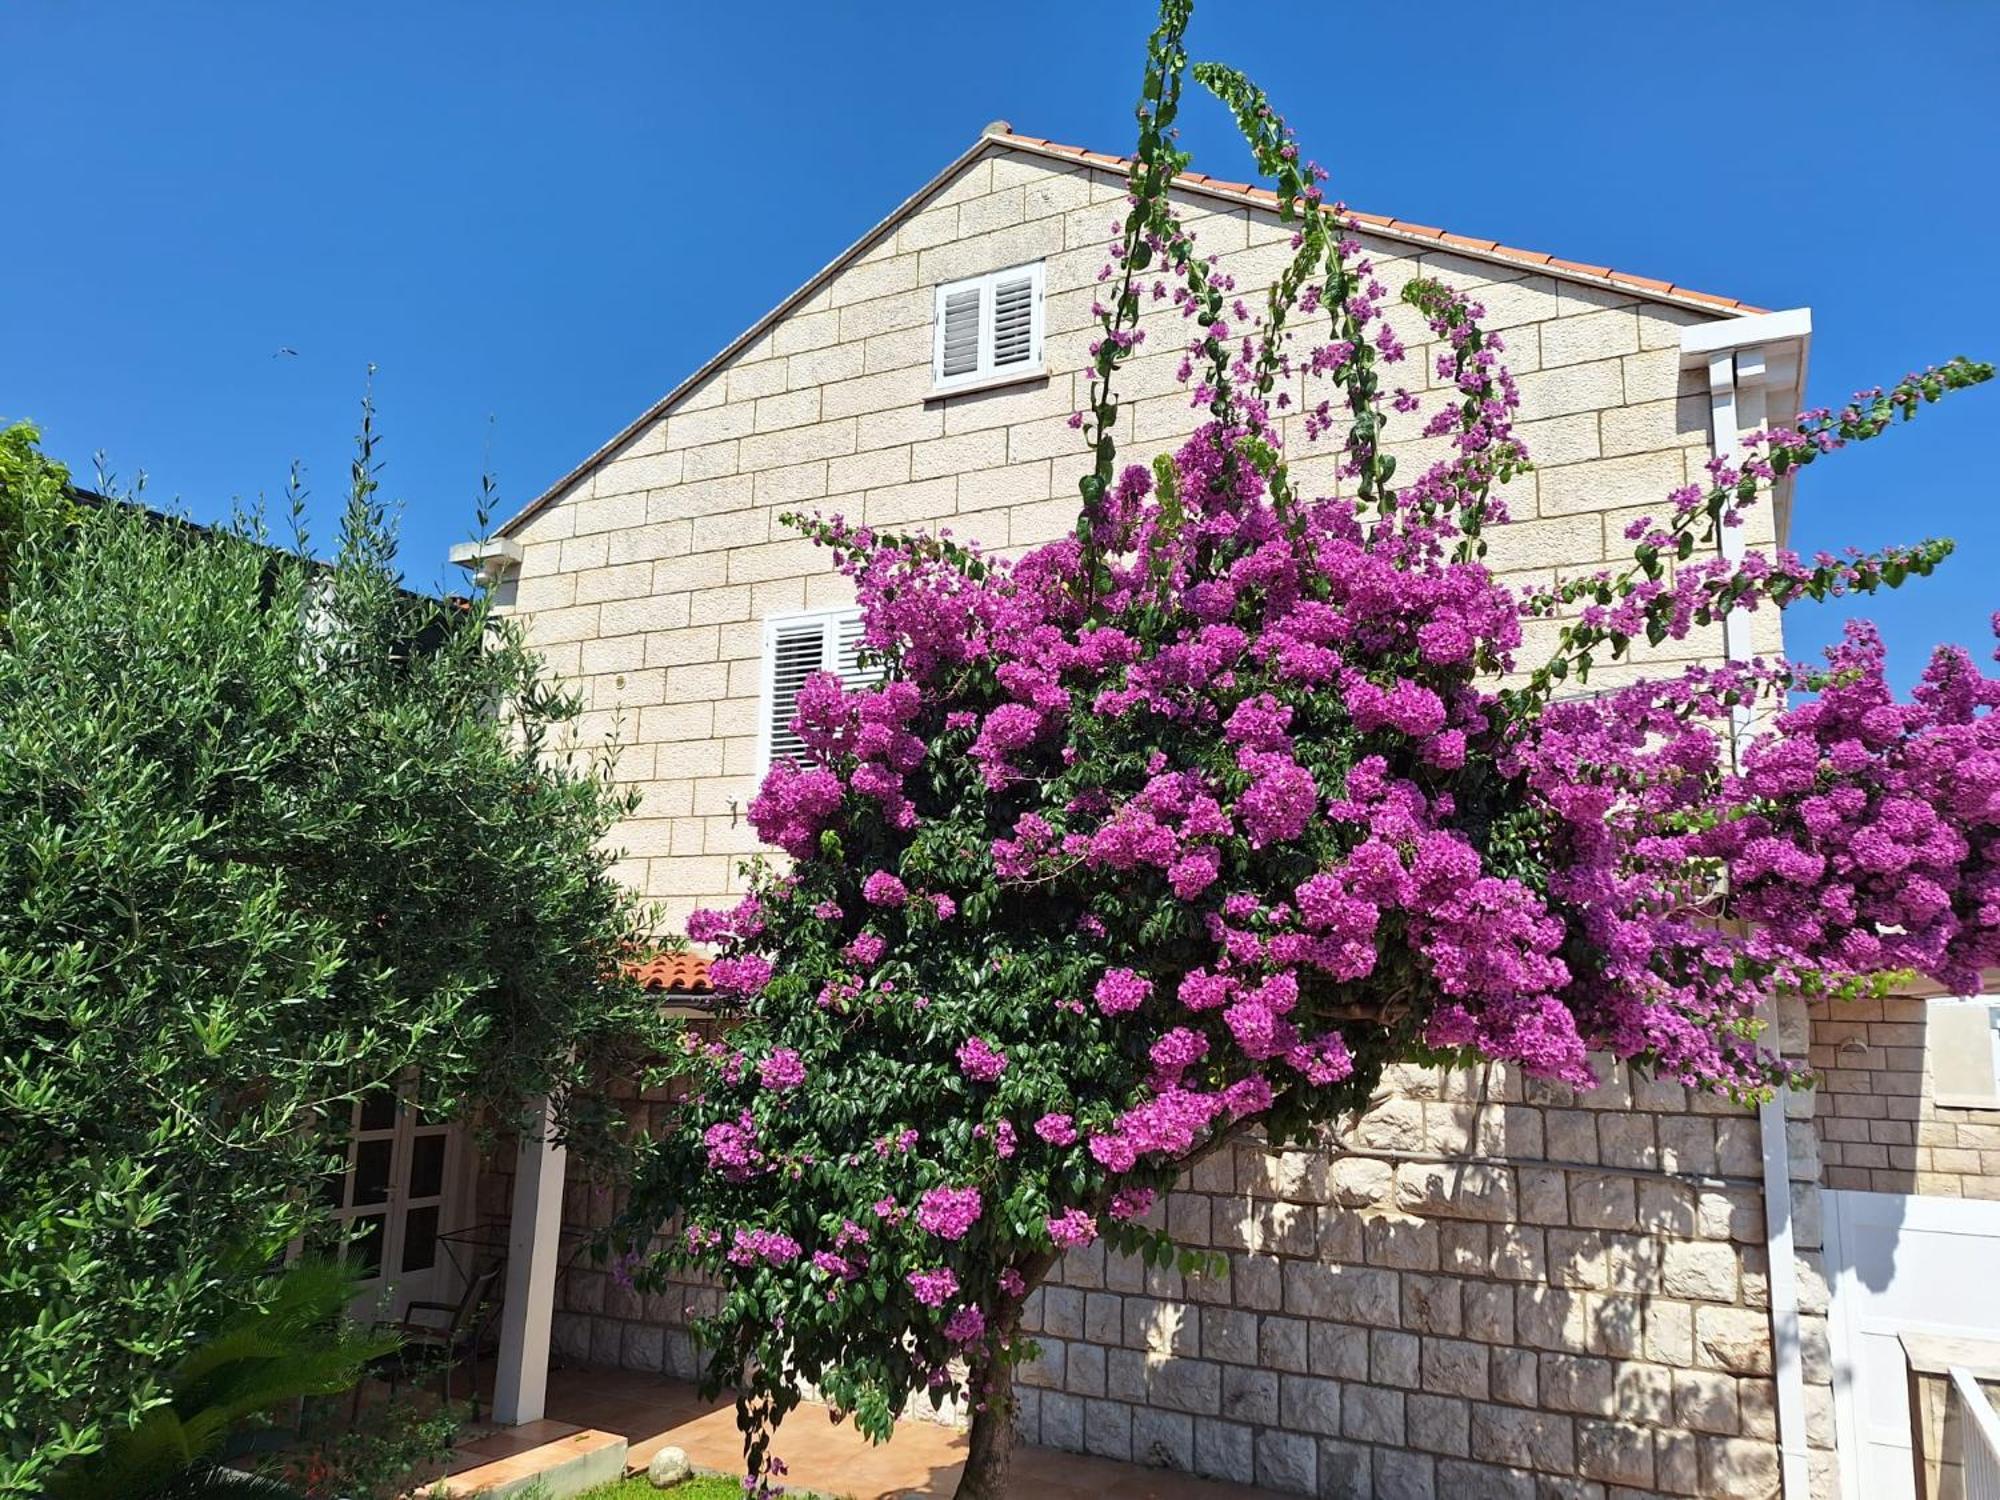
x: 989, y: 1449
x: 1195, y: 820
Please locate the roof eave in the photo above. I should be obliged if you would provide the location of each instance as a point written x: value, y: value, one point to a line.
x: 998, y: 137
x: 1418, y: 236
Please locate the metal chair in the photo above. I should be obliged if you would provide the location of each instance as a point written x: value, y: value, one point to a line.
x: 428, y: 1346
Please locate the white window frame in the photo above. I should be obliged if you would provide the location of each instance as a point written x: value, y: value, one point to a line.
x: 984, y: 374
x: 830, y: 622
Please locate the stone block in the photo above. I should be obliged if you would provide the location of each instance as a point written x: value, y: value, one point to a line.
x: 1229, y: 1334
x: 1405, y: 1476
x: 1576, y: 1383
x: 1370, y: 1414
x: 1669, y: 1333
x: 1125, y: 1375
x: 1046, y: 1368
x: 1616, y: 1452
x: 1348, y: 1294
x: 1516, y: 1377
x: 1456, y: 1190
x: 1281, y: 1344
x: 1061, y: 1311
x: 1489, y: 1312
x: 1107, y: 1429
x: 1310, y: 1405
x: 1163, y: 1439
x: 1392, y: 1358
x: 1432, y: 1304
x: 1401, y: 1243
x: 1455, y: 1367
x: 1545, y: 1318
x: 1288, y: 1462
x: 1224, y: 1450
x: 1346, y: 1471
x: 1525, y: 1438
x: 1258, y: 1281
x: 1438, y: 1424
x: 1738, y: 1469
x: 1337, y: 1350
x: 1488, y: 1482
x: 1251, y: 1395
x: 1189, y: 1385
x: 1603, y: 1202
x: 1103, y: 1317
x: 1700, y: 1271
x: 1084, y: 1373
x: 1734, y: 1339
x: 1613, y: 1324
x: 1643, y: 1393
x: 1361, y: 1181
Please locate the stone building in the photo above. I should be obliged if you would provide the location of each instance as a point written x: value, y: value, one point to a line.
x: 1488, y: 1286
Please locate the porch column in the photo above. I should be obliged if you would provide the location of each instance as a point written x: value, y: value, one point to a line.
x: 521, y: 1379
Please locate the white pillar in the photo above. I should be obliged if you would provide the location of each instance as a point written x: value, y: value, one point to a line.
x: 521, y: 1379
x: 1749, y: 361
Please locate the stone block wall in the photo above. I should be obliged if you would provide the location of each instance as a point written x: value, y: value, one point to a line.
x: 1487, y: 1285
x: 1483, y: 1285
x: 1481, y: 1288
x: 1880, y: 1127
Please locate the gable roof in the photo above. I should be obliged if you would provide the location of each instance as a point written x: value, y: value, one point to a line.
x: 1000, y: 136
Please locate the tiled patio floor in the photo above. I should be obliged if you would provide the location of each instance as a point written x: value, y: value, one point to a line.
x: 923, y: 1460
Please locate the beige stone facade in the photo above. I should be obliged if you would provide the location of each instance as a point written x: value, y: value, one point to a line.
x: 1881, y: 1125
x: 647, y: 579
x: 1486, y: 1287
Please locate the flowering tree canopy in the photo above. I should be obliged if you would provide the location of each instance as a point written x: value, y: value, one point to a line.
x: 1199, y: 817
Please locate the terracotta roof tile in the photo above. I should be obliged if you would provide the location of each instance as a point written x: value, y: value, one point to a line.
x: 1710, y: 297
x: 1650, y: 283
x: 673, y: 973
x: 1473, y: 243
x: 1577, y: 265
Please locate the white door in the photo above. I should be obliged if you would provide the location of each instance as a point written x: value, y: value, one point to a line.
x: 1899, y: 1264
x: 395, y: 1195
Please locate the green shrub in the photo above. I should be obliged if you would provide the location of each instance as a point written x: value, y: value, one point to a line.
x: 272, y: 832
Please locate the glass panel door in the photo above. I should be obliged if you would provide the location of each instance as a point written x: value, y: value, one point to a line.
x: 392, y: 1195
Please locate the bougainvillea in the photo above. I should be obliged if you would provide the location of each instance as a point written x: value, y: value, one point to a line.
x: 1197, y: 818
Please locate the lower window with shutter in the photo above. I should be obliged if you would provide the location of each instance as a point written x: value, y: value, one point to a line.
x: 795, y: 647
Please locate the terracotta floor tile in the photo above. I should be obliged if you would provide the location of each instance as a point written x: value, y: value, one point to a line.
x: 922, y: 1462
x: 511, y: 1440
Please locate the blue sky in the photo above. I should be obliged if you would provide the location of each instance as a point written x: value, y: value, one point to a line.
x: 536, y: 219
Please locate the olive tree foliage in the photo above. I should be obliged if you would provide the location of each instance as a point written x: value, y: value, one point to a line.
x: 273, y: 832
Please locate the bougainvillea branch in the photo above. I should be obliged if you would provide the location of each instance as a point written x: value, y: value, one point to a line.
x: 1196, y: 819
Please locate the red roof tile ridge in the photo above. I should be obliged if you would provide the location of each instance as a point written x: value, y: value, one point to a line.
x: 684, y: 973
x: 1475, y: 244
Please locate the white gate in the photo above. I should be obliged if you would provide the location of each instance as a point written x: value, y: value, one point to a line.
x: 1898, y: 1264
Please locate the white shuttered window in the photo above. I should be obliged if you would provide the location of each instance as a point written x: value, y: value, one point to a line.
x: 988, y: 328
x: 795, y: 647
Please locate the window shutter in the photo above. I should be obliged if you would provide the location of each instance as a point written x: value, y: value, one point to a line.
x: 847, y: 653
x: 798, y: 650
x: 1013, y: 321
x: 958, y: 332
